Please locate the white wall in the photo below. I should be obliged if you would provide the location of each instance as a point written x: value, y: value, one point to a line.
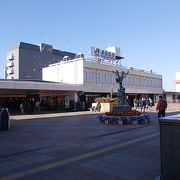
x: 50, y: 74
x: 70, y: 72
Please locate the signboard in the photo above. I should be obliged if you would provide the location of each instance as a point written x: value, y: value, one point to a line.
x: 102, y: 53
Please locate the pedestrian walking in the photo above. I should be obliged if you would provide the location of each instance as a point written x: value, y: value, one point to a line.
x: 143, y: 104
x: 150, y: 102
x: 98, y: 107
x: 147, y: 103
x: 161, y: 107
x: 37, y: 106
x: 135, y: 103
x: 21, y: 106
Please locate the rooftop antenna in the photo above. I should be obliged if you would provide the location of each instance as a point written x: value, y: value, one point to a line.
x: 46, y: 39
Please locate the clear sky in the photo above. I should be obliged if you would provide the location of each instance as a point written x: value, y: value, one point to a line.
x: 147, y: 31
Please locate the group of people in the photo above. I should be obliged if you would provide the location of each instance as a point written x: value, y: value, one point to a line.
x: 29, y: 105
x: 146, y: 103
x: 143, y: 103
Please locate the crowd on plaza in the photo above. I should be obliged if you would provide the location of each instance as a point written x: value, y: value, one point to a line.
x: 146, y: 103
x: 143, y: 104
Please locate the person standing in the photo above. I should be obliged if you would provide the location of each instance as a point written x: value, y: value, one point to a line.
x: 144, y: 104
x: 161, y: 107
x: 135, y: 103
x: 164, y: 105
x: 22, y: 107
x: 150, y: 102
x: 98, y: 107
x: 37, y: 106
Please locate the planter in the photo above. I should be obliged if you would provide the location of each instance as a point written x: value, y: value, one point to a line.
x: 132, y: 120
x: 105, y: 107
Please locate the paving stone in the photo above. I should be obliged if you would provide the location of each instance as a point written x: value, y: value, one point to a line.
x: 36, y: 141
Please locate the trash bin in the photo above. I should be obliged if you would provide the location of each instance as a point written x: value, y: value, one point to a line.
x: 170, y: 147
x: 4, y: 119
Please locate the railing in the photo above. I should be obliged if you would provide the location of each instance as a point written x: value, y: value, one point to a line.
x: 10, y: 64
x: 116, y: 63
x: 10, y: 57
x: 104, y: 61
x: 10, y: 71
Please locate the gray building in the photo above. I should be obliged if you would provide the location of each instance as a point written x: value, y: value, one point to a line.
x: 25, y: 61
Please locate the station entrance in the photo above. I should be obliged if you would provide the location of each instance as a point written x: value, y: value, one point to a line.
x: 48, y: 101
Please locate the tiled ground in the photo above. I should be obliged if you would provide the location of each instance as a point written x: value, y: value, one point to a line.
x: 75, y: 146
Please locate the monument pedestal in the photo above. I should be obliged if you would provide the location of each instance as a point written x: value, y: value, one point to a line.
x: 122, y: 108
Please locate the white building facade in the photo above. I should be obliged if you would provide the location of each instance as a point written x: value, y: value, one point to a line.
x: 97, y: 77
x: 177, y: 81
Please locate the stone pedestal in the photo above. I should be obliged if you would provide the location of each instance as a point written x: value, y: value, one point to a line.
x: 122, y: 108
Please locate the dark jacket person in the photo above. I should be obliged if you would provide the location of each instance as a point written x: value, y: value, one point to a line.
x: 161, y: 107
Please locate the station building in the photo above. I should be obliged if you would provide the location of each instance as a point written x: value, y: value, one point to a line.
x: 97, y: 78
x: 63, y: 80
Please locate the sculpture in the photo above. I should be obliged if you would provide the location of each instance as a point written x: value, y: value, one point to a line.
x: 121, y: 91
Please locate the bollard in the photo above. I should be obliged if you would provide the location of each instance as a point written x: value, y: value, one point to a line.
x: 4, y: 119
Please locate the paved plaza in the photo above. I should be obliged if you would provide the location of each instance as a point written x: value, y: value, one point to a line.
x: 74, y: 145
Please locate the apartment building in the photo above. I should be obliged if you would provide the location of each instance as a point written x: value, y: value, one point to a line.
x: 25, y: 61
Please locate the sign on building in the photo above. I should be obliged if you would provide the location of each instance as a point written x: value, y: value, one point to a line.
x: 102, y: 53
x: 112, y: 53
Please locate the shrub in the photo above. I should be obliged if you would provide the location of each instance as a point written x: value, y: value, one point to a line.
x: 130, y: 113
x: 105, y: 100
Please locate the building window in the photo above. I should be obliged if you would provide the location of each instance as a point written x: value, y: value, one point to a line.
x: 97, y: 77
x: 113, y: 79
x: 105, y: 78
x: 94, y: 77
x: 151, y: 84
x: 90, y: 76
x: 109, y: 78
x: 174, y: 97
x: 102, y: 77
x: 85, y: 75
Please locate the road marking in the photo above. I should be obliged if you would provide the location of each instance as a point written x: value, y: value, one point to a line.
x: 73, y: 159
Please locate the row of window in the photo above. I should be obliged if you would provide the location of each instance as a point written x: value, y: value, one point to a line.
x: 54, y: 59
x: 129, y: 80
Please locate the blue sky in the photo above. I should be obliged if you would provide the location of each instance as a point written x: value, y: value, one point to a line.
x: 147, y: 31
